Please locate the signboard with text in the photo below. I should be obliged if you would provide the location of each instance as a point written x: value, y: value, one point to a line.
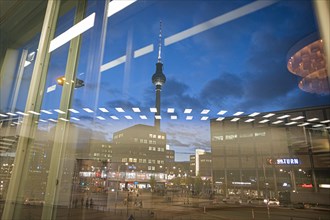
x: 283, y: 161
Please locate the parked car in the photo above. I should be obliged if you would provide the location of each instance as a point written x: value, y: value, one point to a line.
x: 29, y: 201
x: 273, y: 202
x: 257, y: 201
x: 232, y: 200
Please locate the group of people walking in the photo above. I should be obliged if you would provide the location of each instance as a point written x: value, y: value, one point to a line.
x: 88, y: 203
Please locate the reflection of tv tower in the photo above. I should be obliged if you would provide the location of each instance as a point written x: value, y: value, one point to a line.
x: 158, y: 79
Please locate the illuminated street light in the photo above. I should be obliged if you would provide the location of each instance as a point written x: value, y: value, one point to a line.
x: 78, y: 83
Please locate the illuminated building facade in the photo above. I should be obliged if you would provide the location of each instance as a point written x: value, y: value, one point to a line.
x: 271, y: 152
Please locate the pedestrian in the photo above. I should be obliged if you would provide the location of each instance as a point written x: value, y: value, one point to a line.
x: 82, y: 202
x: 87, y: 203
x: 91, y: 203
x: 131, y: 217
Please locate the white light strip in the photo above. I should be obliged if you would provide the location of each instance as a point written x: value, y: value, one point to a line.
x: 222, y: 112
x: 189, y: 117
x: 73, y: 110
x: 291, y: 123
x: 313, y: 119
x: 33, y: 112
x: 254, y: 114
x: 174, y: 117
x: 4, y: 116
x: 238, y: 113
x: 143, y: 117
x: 42, y: 120
x: 73, y: 32
x: 283, y: 116
x: 297, y: 118
x: 318, y: 125
x: 222, y: 19
x: 234, y: 119
x: 303, y: 124
x: 100, y: 117
x: 119, y: 109
x: 64, y: 119
x: 76, y: 119
x: 103, y: 110
x: 53, y: 120
x: 118, y: 5
x: 51, y: 88
x: 249, y: 120
x: 88, y: 110
x: 12, y: 114
x: 277, y: 122
x: 113, y: 63
x: 326, y: 121
x: 264, y: 121
x: 204, y: 118
x: 59, y: 111
x: 205, y: 111
x: 153, y: 110
x: 144, y: 50
x: 269, y: 115
x: 114, y: 117
x: 324, y: 186
x: 187, y: 110
x: 136, y: 109
x: 27, y: 63
x: 22, y: 113
x: 220, y: 119
x: 128, y: 117
x: 47, y: 112
x: 158, y: 117
x: 170, y: 110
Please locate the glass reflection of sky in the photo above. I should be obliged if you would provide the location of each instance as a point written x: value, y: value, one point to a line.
x: 239, y: 65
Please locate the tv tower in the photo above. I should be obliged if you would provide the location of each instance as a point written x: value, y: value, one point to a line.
x: 158, y: 79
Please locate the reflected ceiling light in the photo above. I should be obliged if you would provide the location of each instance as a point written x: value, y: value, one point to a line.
x: 234, y: 119
x: 22, y: 113
x: 4, y: 116
x: 291, y: 123
x: 220, y: 118
x: 47, y: 112
x: 100, y: 117
x: 51, y: 88
x: 327, y: 127
x: 238, y: 113
x: 204, y: 118
x: 128, y: 117
x: 187, y: 110
x: 88, y: 110
x: 114, y: 117
x: 326, y: 121
x: 170, y: 110
x: 222, y: 112
x: 297, y: 118
x: 53, y: 120
x: 189, y: 117
x: 158, y: 117
x: 136, y: 110
x: 263, y: 121
x: 113, y: 63
x: 33, y: 112
x: 59, y: 111
x: 283, y: 116
x: 219, y: 20
x: 42, y: 120
x: 318, y: 125
x: 103, y: 110
x: 27, y: 63
x: 249, y: 120
x: 153, y: 110
x: 277, y: 122
x: 254, y: 114
x: 64, y: 119
x: 269, y: 115
x: 303, y: 124
x: 73, y: 110
x: 76, y: 119
x: 143, y: 117
x: 12, y: 114
x: 119, y: 109
x: 143, y: 51
x: 118, y: 5
x: 73, y: 32
x: 174, y: 117
x: 325, y: 186
x: 205, y: 111
x: 313, y: 119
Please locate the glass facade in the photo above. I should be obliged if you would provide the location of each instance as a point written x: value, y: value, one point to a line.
x: 163, y: 109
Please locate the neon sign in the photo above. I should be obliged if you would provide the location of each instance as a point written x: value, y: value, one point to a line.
x: 284, y: 161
